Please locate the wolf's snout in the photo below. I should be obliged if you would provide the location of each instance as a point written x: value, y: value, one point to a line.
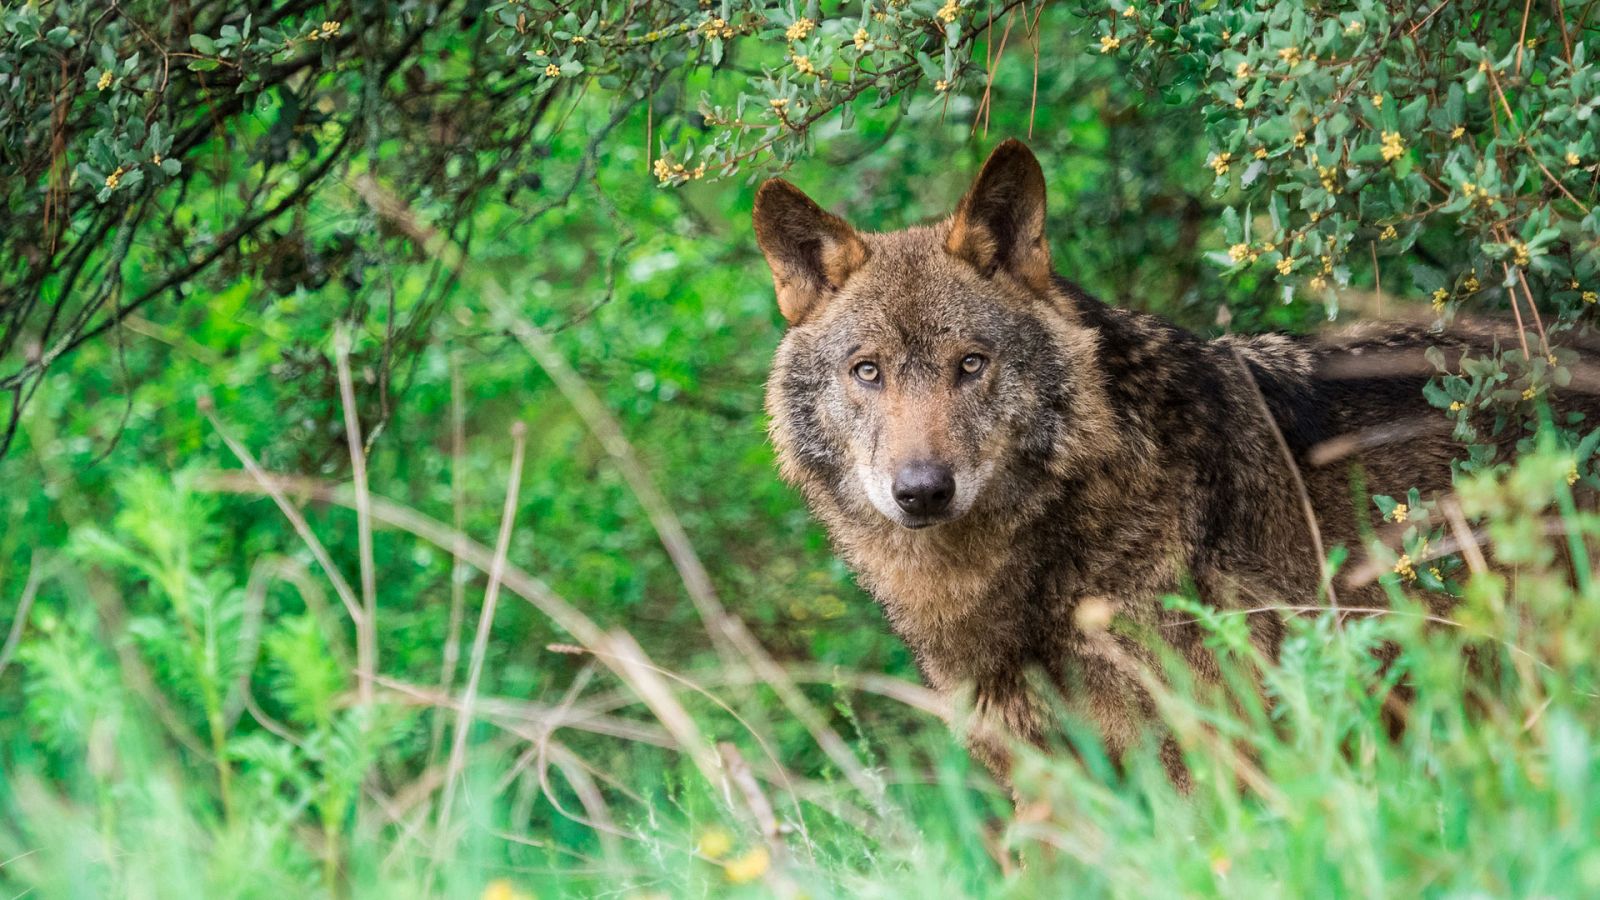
x: 924, y: 488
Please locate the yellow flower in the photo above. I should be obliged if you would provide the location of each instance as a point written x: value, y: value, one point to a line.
x: 1109, y: 43
x: 948, y: 12
x: 1402, y: 567
x: 748, y: 866
x: 1129, y: 12
x: 331, y: 28
x: 1238, y: 103
x: 115, y: 178
x: 1318, y: 282
x: 1519, y: 252
x: 1590, y: 297
x: 1439, y: 297
x: 941, y: 86
x: 661, y: 169
x: 1300, y: 139
x: 1470, y: 283
x: 1572, y: 159
x: 779, y: 102
x: 552, y: 71
x: 105, y: 80
x: 1226, y: 34
x: 1220, y: 163
x: 1377, y: 101
x: 1457, y: 406
x: 1399, y: 513
x: 1529, y: 393
x: 714, y: 843
x: 1261, y: 153
x: 1434, y: 571
x: 1354, y: 28
x: 1286, y: 265
x: 1238, y: 252
x: 861, y: 38
x: 502, y: 889
x: 1388, y: 233
x: 1242, y: 70
x: 580, y: 39
x: 156, y: 159
x: 1457, y: 132
x: 800, y: 30
x: 1572, y: 474
x: 1393, y: 146
x: 1290, y: 55
x: 804, y: 66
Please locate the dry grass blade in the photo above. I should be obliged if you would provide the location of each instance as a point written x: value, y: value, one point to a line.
x: 516, y: 716
x: 480, y: 641
x: 594, y: 802
x: 1325, y: 574
x: 19, y: 621
x: 755, y: 802
x: 273, y: 489
x: 367, y: 626
x: 458, y: 583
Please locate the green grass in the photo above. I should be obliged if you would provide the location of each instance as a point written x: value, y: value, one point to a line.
x: 160, y: 772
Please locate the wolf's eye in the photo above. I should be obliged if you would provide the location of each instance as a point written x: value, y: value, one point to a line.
x: 972, y: 364
x: 867, y: 372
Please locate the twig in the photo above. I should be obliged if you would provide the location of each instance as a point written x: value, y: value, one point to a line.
x: 1516, y: 312
x: 1522, y: 34
x: 1465, y: 539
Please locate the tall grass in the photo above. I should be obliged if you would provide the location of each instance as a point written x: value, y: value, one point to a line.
x: 644, y: 781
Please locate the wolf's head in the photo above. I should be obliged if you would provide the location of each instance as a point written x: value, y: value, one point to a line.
x: 933, y: 372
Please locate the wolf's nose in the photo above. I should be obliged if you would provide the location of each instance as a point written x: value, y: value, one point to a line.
x: 924, y: 488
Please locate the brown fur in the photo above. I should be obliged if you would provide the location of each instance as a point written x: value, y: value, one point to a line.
x: 1100, y: 457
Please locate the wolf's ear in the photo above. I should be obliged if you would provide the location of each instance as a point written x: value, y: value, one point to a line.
x: 1000, y: 223
x: 811, y: 252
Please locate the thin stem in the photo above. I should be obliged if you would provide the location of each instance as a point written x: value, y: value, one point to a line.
x: 480, y: 640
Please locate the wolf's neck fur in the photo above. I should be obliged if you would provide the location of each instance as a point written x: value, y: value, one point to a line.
x: 976, y: 597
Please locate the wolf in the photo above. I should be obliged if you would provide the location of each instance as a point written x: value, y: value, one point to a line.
x: 1006, y: 463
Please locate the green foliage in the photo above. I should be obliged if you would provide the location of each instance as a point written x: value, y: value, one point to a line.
x: 182, y: 713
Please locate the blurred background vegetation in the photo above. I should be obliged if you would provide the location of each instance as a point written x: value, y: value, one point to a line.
x: 195, y: 250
